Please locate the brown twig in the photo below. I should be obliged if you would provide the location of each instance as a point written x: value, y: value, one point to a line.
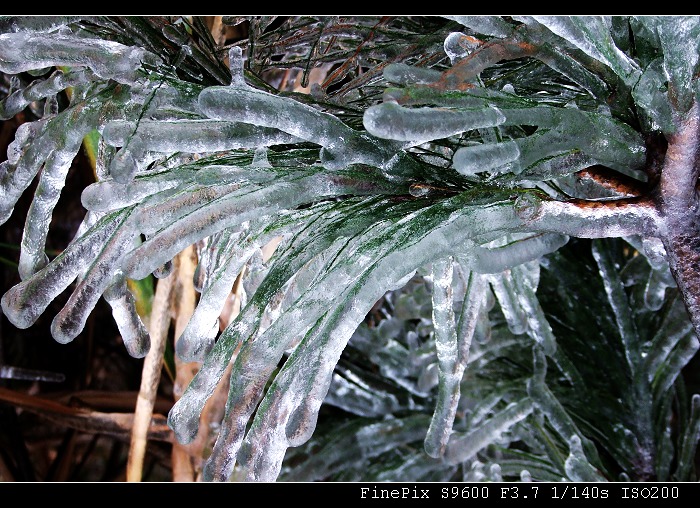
x: 150, y: 378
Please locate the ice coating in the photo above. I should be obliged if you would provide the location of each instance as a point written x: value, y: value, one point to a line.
x: 106, y: 195
x: 127, y: 161
x: 591, y: 34
x: 195, y: 136
x: 70, y: 320
x: 304, y: 313
x: 23, y: 51
x: 577, y: 466
x: 297, y: 256
x: 25, y: 302
x: 617, y: 298
x: 513, y: 312
x: 690, y: 439
x: 486, y: 157
x: 677, y: 36
x: 235, y: 63
x: 404, y: 74
x: 452, y: 341
x: 563, y: 143
x: 397, y: 432
x: 198, y: 336
x: 538, y: 326
x: 458, y: 45
x: 462, y: 447
x: 655, y: 290
x: 487, y: 25
x: 418, y: 125
x: 497, y: 259
x: 133, y: 332
x: 219, y: 207
x: 11, y: 372
x: 448, y: 359
x: 353, y: 396
x: 342, y: 145
x: 310, y: 317
x: 41, y: 89
x: 57, y: 140
x: 590, y: 219
x: 545, y: 400
x: 32, y: 255
x: 35, y: 23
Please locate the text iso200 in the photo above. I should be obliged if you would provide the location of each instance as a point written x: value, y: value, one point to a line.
x: 652, y: 492
x: 465, y: 492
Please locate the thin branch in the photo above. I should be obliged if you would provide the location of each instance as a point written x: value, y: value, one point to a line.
x: 150, y: 378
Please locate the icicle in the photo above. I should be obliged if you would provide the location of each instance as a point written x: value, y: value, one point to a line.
x: 449, y: 366
x: 689, y: 442
x: 538, y: 326
x: 662, y: 346
x: 36, y: 227
x: 342, y: 145
x: 618, y: 301
x: 462, y: 447
x: 486, y: 157
x: 552, y: 409
x: 495, y: 473
x: 389, y: 120
x: 475, y: 473
x: 22, y: 51
x: 9, y: 372
x: 197, y: 338
x: 514, y: 314
x: 128, y: 160
x: 453, y: 357
x: 350, y: 394
x: 26, y: 301
x: 494, y: 26
x: 576, y: 465
x: 655, y: 289
x: 668, y: 371
x: 235, y: 63
x: 70, y: 320
x: 260, y: 158
x: 134, y: 333
x: 37, y: 90
x: 403, y: 74
x: 193, y: 136
x: 498, y: 259
x: 655, y: 252
x: 591, y: 34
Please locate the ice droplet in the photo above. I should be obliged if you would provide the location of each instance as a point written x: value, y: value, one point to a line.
x: 458, y: 45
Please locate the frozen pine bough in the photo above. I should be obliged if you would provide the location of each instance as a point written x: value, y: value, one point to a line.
x: 420, y: 206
